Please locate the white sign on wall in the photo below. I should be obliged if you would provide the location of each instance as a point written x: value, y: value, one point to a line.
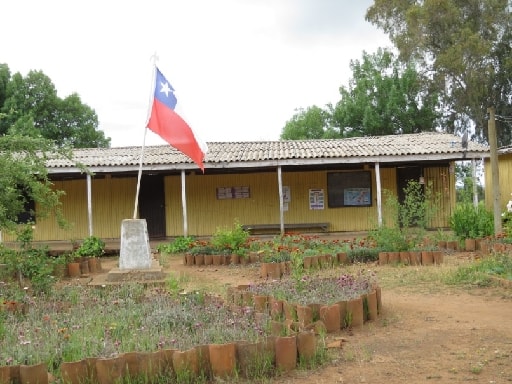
x: 286, y: 194
x: 316, y: 199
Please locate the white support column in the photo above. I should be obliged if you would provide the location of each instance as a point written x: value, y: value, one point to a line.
x: 475, y: 189
x: 89, y: 204
x: 379, y: 194
x: 281, y: 207
x: 184, y: 204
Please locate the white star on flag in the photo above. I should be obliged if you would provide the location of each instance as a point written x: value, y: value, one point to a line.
x: 165, y: 89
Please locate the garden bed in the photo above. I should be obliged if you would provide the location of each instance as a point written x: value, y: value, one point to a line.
x: 78, y: 329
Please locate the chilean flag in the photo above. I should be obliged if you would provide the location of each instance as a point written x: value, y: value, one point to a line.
x: 170, y: 126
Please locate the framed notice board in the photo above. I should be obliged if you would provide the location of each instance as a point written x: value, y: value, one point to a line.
x: 349, y: 189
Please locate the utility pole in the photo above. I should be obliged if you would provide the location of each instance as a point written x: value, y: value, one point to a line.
x: 495, y: 174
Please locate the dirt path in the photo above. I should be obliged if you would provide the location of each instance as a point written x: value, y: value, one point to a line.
x: 453, y: 337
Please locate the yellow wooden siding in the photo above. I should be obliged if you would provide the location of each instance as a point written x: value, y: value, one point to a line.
x: 74, y: 209
x: 113, y: 200
x: 206, y: 213
x: 389, y: 188
x: 505, y: 177
x: 442, y: 182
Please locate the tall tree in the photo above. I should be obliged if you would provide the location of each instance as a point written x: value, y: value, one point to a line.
x: 305, y: 124
x: 384, y: 97
x: 31, y: 107
x: 5, y: 75
x: 463, y: 45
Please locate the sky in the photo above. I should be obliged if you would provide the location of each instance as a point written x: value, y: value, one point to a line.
x: 240, y: 68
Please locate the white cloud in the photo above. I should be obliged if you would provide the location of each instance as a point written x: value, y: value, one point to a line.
x: 240, y: 67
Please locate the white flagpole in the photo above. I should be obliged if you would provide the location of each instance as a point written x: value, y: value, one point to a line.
x: 154, y: 58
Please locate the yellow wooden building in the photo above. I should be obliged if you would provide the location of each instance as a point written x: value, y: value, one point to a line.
x: 306, y: 185
x: 505, y: 179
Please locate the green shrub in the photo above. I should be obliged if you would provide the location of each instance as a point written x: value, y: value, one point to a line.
x: 28, y: 262
x: 407, y: 222
x: 178, y: 245
x: 389, y: 239
x: 470, y: 222
x: 230, y: 239
x: 363, y: 255
x: 92, y: 246
x: 202, y: 250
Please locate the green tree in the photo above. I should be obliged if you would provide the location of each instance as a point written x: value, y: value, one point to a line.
x: 31, y: 107
x: 5, y: 75
x: 309, y: 123
x: 463, y: 46
x: 24, y: 179
x: 464, y: 185
x: 384, y: 97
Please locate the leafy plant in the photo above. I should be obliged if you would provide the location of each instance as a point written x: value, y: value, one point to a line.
x: 180, y: 244
x: 389, y: 239
x: 230, y: 238
x: 407, y: 221
x: 201, y: 249
x: 92, y: 246
x: 242, y: 252
x: 28, y: 262
x: 363, y: 255
x: 470, y: 222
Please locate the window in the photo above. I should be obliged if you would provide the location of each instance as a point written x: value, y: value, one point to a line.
x: 349, y: 189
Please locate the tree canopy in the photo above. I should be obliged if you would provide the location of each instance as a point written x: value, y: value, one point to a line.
x: 309, y: 123
x: 24, y: 179
x: 384, y: 97
x: 464, y: 47
x: 30, y: 106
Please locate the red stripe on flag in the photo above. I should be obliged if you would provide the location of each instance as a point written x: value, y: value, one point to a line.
x: 173, y: 129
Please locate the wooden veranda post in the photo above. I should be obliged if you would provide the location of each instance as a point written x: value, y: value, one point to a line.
x: 495, y: 174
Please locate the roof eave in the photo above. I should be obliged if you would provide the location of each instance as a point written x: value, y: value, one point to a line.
x: 456, y: 156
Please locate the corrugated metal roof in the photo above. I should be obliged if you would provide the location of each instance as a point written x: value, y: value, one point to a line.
x: 357, y: 148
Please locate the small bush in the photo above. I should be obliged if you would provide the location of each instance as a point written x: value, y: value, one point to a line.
x: 470, y: 222
x: 178, y: 245
x: 92, y: 246
x: 230, y: 239
x: 363, y: 255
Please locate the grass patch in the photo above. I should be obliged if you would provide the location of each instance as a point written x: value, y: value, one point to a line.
x: 479, y: 272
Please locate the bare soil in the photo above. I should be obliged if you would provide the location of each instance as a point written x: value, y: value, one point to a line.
x: 427, y: 332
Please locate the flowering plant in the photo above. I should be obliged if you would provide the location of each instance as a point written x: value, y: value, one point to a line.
x: 310, y: 289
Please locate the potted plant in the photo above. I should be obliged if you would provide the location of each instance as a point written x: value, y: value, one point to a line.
x: 89, y: 251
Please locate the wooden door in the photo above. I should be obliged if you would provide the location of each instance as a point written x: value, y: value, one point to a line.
x: 152, y: 204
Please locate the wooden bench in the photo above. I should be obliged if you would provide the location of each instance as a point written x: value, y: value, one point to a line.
x: 288, y: 226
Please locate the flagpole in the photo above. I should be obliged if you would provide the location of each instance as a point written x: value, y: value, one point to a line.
x: 139, y: 176
x: 154, y: 58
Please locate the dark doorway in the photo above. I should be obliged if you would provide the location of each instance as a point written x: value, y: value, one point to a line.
x: 403, y: 176
x: 152, y: 204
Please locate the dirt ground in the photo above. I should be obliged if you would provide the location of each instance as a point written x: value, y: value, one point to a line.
x: 426, y: 333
